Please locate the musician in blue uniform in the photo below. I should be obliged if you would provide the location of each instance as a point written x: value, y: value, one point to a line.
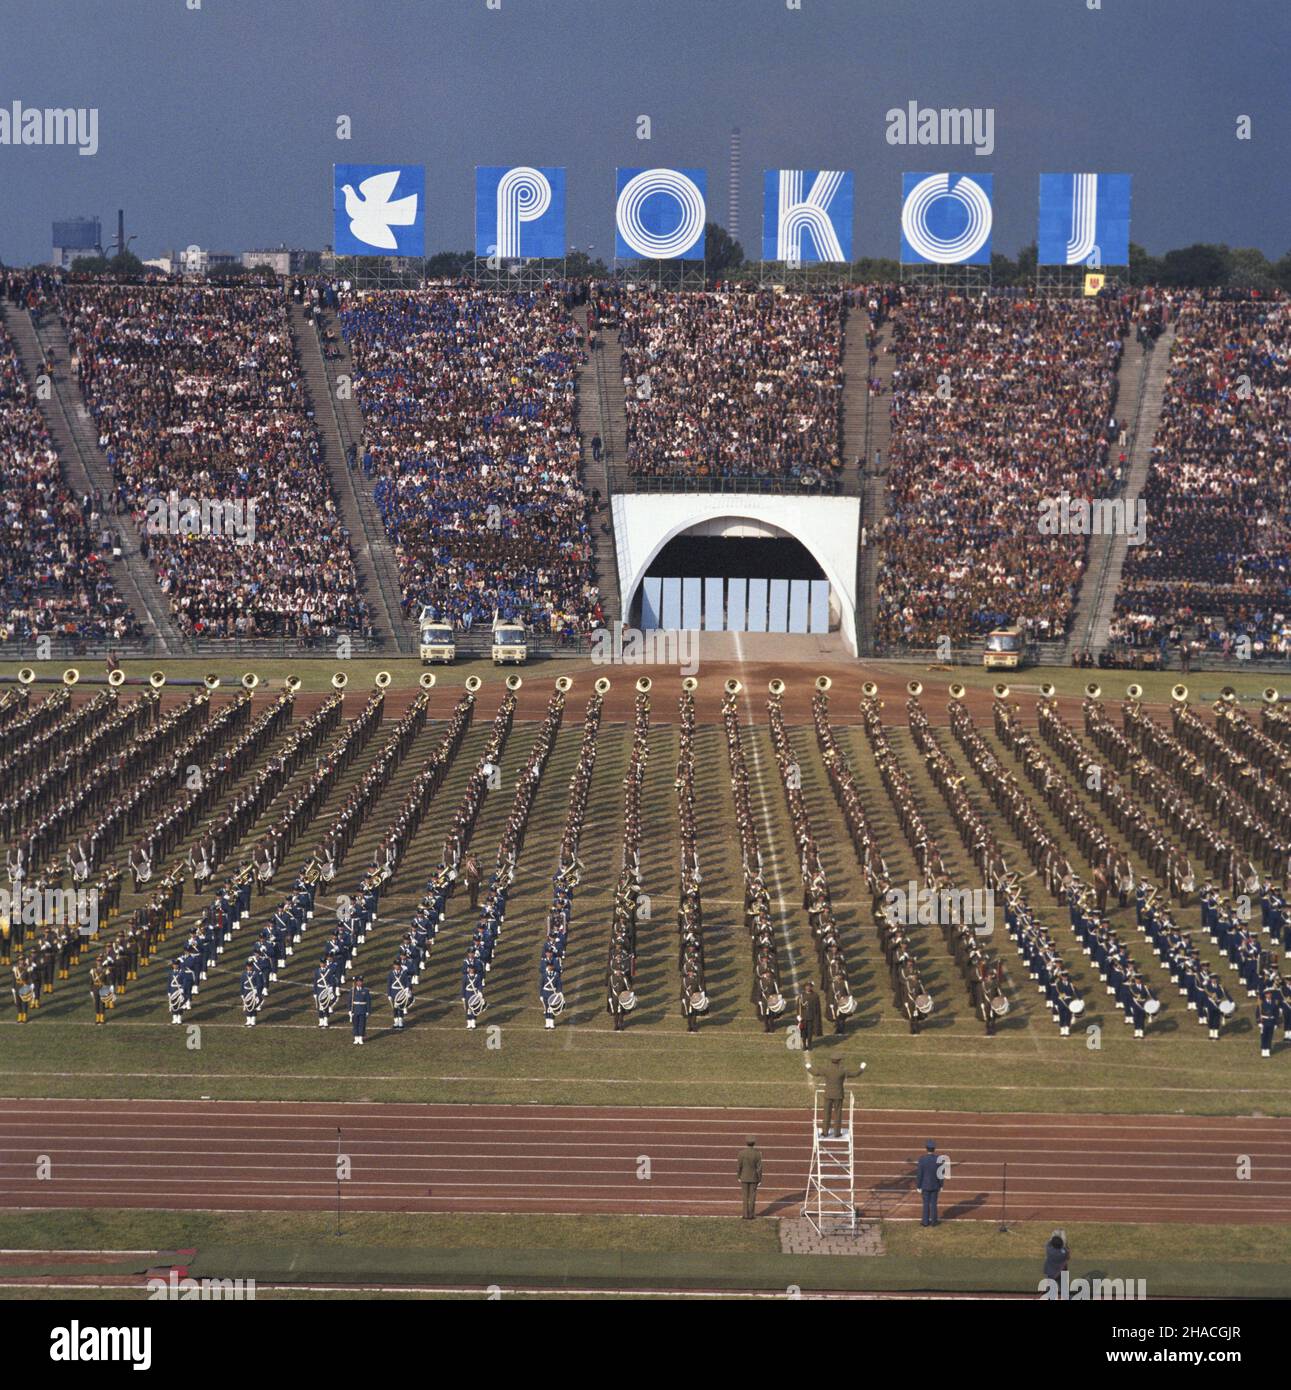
x: 179, y: 989
x: 929, y: 1180
x: 472, y: 989
x: 326, y: 982
x: 1267, y: 1017
x: 399, y: 989
x: 360, y: 1008
x: 549, y: 988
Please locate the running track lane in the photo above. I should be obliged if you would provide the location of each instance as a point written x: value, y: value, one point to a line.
x: 272, y: 1156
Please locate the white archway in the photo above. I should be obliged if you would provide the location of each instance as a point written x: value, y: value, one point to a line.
x: 828, y: 528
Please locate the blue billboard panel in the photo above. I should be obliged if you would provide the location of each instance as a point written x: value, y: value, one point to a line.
x: 520, y: 212
x: 946, y: 219
x: 1084, y: 219
x: 378, y: 209
x: 659, y: 214
x: 806, y: 215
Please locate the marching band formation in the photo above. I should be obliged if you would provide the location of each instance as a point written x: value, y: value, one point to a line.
x: 1135, y: 802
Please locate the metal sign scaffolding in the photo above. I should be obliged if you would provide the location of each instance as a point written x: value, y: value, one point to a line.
x: 830, y: 1204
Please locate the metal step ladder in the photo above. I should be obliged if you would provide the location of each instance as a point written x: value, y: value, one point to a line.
x: 830, y: 1204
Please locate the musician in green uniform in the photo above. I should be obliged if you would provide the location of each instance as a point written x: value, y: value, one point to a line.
x: 749, y: 1171
x: 834, y: 1074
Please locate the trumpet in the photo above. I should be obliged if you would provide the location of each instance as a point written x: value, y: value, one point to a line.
x: 869, y: 690
x: 382, y: 680
x: 564, y: 684
x: 339, y: 681
x: 251, y: 680
x: 690, y: 685
x: 776, y: 686
x: 956, y: 690
x: 644, y: 684
x: 1134, y: 691
x: 291, y: 684
x: 157, y: 679
x: 1179, y: 694
x: 823, y: 684
x: 211, y: 681
x: 1000, y: 691
x: 1048, y: 691
x: 1270, y: 696
x: 426, y: 680
x: 914, y: 688
x: 602, y: 685
x: 71, y: 676
x: 513, y: 683
x: 473, y: 683
x: 1093, y: 690
x: 116, y: 678
x: 732, y: 686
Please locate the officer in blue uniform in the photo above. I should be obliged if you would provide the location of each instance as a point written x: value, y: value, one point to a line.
x: 1267, y: 1015
x: 360, y: 1008
x: 929, y: 1181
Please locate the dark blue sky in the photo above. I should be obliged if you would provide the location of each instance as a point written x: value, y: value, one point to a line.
x: 218, y: 126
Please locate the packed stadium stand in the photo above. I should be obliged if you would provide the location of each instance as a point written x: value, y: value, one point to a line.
x: 53, y: 578
x: 196, y: 393
x: 734, y: 382
x: 1214, y: 569
x: 998, y: 403
x: 471, y: 438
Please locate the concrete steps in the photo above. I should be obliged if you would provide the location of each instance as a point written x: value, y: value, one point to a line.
x: 340, y: 423
x: 86, y: 469
x: 596, y: 474
x: 1141, y: 382
x: 874, y: 472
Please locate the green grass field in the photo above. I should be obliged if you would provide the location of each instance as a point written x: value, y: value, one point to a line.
x: 1026, y: 1066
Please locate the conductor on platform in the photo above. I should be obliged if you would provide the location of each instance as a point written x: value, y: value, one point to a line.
x: 930, y: 1179
x: 834, y: 1074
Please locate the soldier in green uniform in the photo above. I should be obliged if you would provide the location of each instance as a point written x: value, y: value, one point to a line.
x: 834, y: 1074
x: 749, y: 1171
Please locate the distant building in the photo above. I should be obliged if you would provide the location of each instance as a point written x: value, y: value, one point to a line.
x: 282, y: 260
x: 74, y: 238
x: 193, y: 260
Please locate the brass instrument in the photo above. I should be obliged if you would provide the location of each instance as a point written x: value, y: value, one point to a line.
x: 957, y: 691
x: 1134, y: 692
x: 71, y: 676
x: 291, y: 684
x: 1048, y: 690
x: 250, y: 680
x: 473, y: 683
x: 823, y: 684
x: 1179, y: 694
x: 732, y: 686
x: 1228, y: 695
x: 513, y: 683
x: 690, y: 685
x: 426, y: 680
x: 1000, y: 691
x: 776, y: 686
x: 564, y: 684
x: 1093, y: 691
x: 116, y: 678
x: 339, y: 681
x: 602, y: 685
x: 644, y: 684
x: 157, y: 679
x: 210, y: 681
x: 382, y: 680
x: 914, y: 688
x: 869, y: 690
x: 1270, y: 696
x: 26, y: 676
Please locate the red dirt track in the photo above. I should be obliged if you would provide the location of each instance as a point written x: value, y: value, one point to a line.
x: 271, y: 1156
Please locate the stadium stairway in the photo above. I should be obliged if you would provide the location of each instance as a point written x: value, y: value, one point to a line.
x: 614, y: 415
x: 1141, y: 390
x: 339, y: 423
x: 591, y: 405
x: 85, y: 468
x: 870, y: 416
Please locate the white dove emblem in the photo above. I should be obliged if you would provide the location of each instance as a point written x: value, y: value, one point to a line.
x: 372, y: 216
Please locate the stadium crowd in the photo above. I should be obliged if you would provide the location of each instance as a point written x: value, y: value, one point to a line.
x: 470, y: 430
x: 733, y: 382
x: 53, y: 578
x: 997, y: 403
x: 196, y: 393
x: 1216, y: 567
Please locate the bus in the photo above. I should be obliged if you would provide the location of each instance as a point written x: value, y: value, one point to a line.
x: 510, y: 642
x: 1003, y: 649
